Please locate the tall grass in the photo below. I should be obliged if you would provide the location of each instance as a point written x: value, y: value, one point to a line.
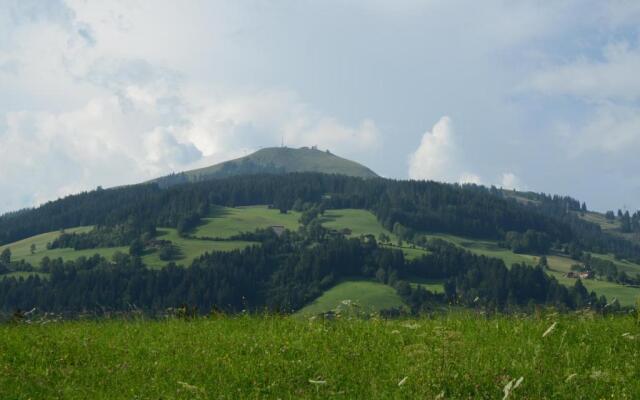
x: 456, y: 356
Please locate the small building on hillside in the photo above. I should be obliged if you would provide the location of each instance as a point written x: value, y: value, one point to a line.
x: 278, y: 230
x: 579, y: 275
x: 586, y: 275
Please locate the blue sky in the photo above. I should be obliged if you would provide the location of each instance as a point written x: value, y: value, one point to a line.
x: 541, y: 96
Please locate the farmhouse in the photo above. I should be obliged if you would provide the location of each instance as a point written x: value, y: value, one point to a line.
x: 580, y: 275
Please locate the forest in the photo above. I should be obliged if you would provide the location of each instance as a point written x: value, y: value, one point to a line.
x: 403, y: 206
x: 282, y: 274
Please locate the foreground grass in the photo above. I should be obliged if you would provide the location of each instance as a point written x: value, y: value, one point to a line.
x: 276, y: 357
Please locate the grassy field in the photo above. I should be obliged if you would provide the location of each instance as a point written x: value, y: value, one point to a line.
x: 363, y: 222
x: 612, y: 227
x: 225, y: 222
x: 600, y: 219
x: 21, y: 250
x: 434, y: 286
x: 458, y: 356
x: 488, y: 248
x: 190, y: 248
x: 367, y: 296
x: 291, y: 160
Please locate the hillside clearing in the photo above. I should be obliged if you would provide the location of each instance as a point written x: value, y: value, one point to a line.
x: 363, y: 222
x: 190, y: 248
x: 21, y: 250
x: 355, y: 295
x: 225, y: 222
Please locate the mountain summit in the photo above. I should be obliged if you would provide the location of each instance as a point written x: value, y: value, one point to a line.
x: 274, y: 160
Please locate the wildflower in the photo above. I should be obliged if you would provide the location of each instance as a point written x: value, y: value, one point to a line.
x: 511, y: 386
x: 596, y: 374
x: 628, y: 335
x: 550, y: 329
x: 403, y: 381
x: 191, y: 388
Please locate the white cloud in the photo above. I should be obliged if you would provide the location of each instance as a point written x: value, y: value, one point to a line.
x: 510, y: 181
x: 99, y: 102
x: 608, y: 89
x: 130, y: 137
x: 438, y: 157
x: 614, y: 78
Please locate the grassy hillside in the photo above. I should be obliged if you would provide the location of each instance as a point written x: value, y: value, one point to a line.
x: 225, y: 222
x: 363, y: 222
x: 457, y: 356
x: 354, y: 296
x: 21, y: 250
x: 190, y: 248
x: 280, y: 160
x: 559, y: 265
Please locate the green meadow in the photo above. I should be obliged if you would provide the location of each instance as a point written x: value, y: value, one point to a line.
x: 360, y: 296
x: 363, y: 222
x: 190, y: 249
x: 453, y: 356
x: 225, y: 222
x: 21, y: 250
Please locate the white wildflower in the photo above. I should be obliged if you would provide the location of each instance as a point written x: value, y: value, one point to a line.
x: 550, y: 329
x: 570, y: 378
x: 511, y: 386
x: 191, y: 388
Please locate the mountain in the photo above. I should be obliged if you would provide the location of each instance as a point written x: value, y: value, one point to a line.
x: 274, y: 160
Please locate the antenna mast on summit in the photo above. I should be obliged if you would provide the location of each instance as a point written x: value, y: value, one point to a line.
x: 282, y: 142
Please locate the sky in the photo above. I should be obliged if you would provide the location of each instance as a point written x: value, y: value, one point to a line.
x: 531, y: 95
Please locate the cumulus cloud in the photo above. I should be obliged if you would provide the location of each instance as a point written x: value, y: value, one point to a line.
x: 608, y: 89
x: 130, y: 137
x: 97, y: 104
x: 615, y: 77
x: 438, y: 157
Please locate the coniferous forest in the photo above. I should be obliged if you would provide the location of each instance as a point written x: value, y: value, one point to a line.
x: 282, y: 274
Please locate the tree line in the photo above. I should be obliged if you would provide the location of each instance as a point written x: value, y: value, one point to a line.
x: 283, y: 274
